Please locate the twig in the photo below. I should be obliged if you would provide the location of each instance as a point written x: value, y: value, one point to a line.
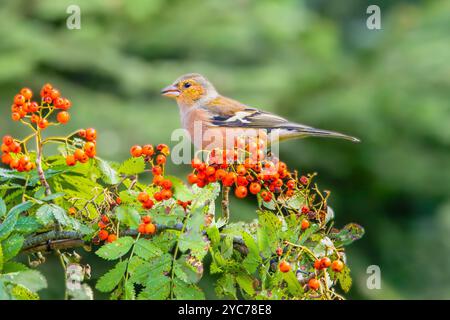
x: 226, y: 204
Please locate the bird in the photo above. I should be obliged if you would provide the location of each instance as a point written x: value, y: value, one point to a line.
x: 211, y: 118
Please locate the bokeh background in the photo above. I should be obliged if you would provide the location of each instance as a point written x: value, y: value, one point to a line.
x: 312, y: 61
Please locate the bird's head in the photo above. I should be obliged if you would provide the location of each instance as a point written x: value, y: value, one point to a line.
x: 190, y: 89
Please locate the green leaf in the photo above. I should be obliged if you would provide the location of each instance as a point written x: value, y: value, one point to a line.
x: 132, y: 166
x: 246, y: 283
x: 31, y: 279
x: 1, y: 259
x: 11, y: 246
x: 226, y: 286
x: 184, y: 291
x: 157, y: 288
x: 181, y: 190
x: 53, y: 196
x: 10, y: 221
x: 128, y: 216
x: 20, y: 292
x: 116, y: 249
x: 2, y: 208
x: 344, y: 279
x: 308, y: 233
x: 253, y: 259
x: 13, y: 266
x: 27, y: 224
x: 350, y: 233
x: 214, y: 236
x: 112, y: 278
x: 109, y: 175
x: 45, y: 214
x: 146, y: 249
x: 293, y: 285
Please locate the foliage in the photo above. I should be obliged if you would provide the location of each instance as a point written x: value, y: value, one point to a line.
x: 158, y: 234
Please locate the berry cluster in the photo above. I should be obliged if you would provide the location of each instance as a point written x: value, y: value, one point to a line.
x: 146, y: 226
x: 24, y: 109
x: 89, y: 149
x: 157, y: 159
x: 325, y: 262
x: 12, y: 155
x: 252, y: 173
x: 104, y: 235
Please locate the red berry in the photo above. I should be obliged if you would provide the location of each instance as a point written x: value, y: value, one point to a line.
x: 148, y: 204
x: 111, y: 238
x: 27, y: 93
x: 8, y: 140
x: 63, y: 117
x: 240, y: 192
x: 166, y: 194
x: 43, y: 123
x: 255, y: 188
x: 279, y: 251
x: 91, y: 134
x: 103, y: 234
x: 192, y: 178
x: 157, y: 170
x: 304, y: 180
x: 314, y: 284
x: 136, y: 151
x: 305, y: 224
x: 148, y: 150
x: 167, y: 184
x: 325, y: 262
x: 160, y: 159
x: 19, y: 99
x: 240, y: 170
x: 143, y: 197
x: 79, y: 154
x: 150, y: 228
x: 105, y: 218
x: 284, y: 266
x: 15, y: 116
x: 305, y: 209
x: 141, y: 228
x: 337, y: 266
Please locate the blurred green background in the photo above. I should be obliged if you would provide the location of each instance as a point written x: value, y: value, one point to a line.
x: 312, y: 61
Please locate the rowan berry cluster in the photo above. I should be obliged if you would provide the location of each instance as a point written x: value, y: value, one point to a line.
x: 157, y: 159
x: 12, y: 155
x: 88, y: 151
x: 38, y: 114
x: 103, y: 234
x: 146, y: 226
x: 248, y: 170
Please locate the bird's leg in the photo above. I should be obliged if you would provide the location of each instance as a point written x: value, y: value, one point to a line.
x: 225, y: 204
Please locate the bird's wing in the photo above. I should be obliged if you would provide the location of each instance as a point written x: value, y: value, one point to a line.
x: 225, y: 112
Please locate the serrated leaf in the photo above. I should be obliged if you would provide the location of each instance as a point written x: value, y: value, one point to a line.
x: 350, y: 233
x: 214, y: 236
x: 226, y: 286
x: 157, y: 288
x: 128, y: 216
x: 8, y: 224
x: 253, y: 259
x: 53, y: 196
x: 45, y: 214
x: 20, y: 292
x: 293, y: 285
x: 2, y: 208
x: 27, y: 224
x: 11, y: 246
x: 344, y: 278
x: 146, y: 249
x: 246, y: 283
x: 181, y: 190
x: 184, y: 291
x: 132, y: 166
x: 109, y: 175
x: 112, y: 278
x: 116, y: 249
x: 31, y: 279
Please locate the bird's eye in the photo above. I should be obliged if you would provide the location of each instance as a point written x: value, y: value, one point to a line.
x: 187, y: 85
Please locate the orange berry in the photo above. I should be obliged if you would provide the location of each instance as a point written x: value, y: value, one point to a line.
x: 266, y: 196
x: 136, y: 151
x: 8, y: 140
x: 84, y: 158
x: 240, y: 192
x: 158, y: 180
x: 79, y: 154
x: 91, y: 134
x: 166, y: 184
x: 89, y: 149
x: 14, y: 164
x: 24, y: 160
x: 146, y: 219
x: 150, y: 228
x: 158, y: 196
x: 19, y: 99
x: 284, y: 266
x: 325, y: 262
x: 141, y: 228
x: 105, y: 218
x: 210, y: 171
x: 317, y: 264
x: 5, y: 148
x: 305, y: 224
x: 314, y: 284
x: 82, y: 133
x: 6, y: 158
x: 43, y: 123
x: 70, y: 160
x: 63, y: 117
x: 160, y: 159
x: 148, y: 150
x: 192, y: 178
x: 111, y: 238
x: 240, y: 170
x: 118, y: 200
x: 337, y: 266
x: 166, y: 194
x: 103, y: 234
x: 157, y: 170
x: 148, y: 204
x: 15, y: 147
x: 72, y: 210
x: 279, y: 251
x: 27, y: 93
x: 33, y: 106
x: 15, y: 116
x: 101, y: 225
x: 143, y: 197
x: 220, y: 174
x: 229, y: 179
x: 255, y: 188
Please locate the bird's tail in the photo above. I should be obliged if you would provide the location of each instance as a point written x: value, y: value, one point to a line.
x: 299, y: 131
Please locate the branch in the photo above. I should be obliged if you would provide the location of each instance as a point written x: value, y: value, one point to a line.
x: 54, y: 240
x: 226, y: 204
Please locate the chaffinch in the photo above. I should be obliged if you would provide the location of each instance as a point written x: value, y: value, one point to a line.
x: 219, y: 118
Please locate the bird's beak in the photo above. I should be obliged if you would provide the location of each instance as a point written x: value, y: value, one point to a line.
x: 170, y: 91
